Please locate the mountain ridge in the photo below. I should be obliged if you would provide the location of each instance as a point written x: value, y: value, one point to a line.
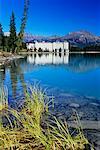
x: 78, y: 38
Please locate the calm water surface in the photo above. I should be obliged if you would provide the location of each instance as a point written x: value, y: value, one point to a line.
x: 72, y: 73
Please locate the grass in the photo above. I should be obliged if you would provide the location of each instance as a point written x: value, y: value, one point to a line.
x: 3, y: 97
x: 34, y: 128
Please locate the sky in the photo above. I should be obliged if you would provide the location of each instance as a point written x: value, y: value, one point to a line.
x: 53, y: 17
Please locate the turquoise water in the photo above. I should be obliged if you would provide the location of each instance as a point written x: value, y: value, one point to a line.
x: 72, y: 73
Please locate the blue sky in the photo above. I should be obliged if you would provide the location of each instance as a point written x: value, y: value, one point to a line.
x: 54, y: 17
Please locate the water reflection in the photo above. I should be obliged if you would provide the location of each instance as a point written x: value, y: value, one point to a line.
x: 12, y: 75
x: 2, y: 74
x: 75, y: 62
x: 68, y: 67
x: 74, y: 80
x: 16, y: 76
x: 42, y: 59
x: 84, y: 62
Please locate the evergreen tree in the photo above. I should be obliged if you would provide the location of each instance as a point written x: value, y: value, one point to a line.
x: 6, y: 38
x: 1, y: 37
x: 12, y: 37
x: 23, y: 25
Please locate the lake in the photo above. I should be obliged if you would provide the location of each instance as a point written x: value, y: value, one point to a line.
x: 73, y: 80
x: 77, y: 74
x: 74, y: 74
x: 70, y: 78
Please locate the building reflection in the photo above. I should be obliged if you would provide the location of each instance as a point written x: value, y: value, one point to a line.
x: 18, y: 72
x: 49, y: 58
x: 75, y: 62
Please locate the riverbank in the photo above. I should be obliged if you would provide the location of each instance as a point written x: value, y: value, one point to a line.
x: 6, y: 57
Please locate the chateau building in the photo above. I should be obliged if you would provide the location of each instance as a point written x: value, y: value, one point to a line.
x: 48, y: 46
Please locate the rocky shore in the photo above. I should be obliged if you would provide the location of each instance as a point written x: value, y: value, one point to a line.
x: 6, y: 57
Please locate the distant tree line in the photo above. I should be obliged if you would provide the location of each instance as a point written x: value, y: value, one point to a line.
x: 95, y: 47
x: 14, y: 42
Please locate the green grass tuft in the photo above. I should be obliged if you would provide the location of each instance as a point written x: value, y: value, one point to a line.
x: 32, y: 128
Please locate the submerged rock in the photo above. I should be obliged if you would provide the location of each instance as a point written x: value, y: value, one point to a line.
x: 75, y: 105
x: 95, y: 104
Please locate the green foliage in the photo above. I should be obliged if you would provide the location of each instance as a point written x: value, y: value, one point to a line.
x: 95, y: 47
x: 14, y: 43
x: 6, y: 44
x: 23, y: 25
x: 34, y: 128
x: 1, y: 34
x: 2, y: 41
x: 3, y: 97
x: 13, y: 37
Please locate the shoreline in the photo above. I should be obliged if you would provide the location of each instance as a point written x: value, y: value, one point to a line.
x: 77, y: 52
x: 6, y: 57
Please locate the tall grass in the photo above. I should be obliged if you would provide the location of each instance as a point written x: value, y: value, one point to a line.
x: 34, y: 128
x: 3, y: 97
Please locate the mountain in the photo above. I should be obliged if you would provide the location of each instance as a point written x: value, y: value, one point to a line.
x: 78, y: 38
x: 82, y: 38
x: 29, y: 37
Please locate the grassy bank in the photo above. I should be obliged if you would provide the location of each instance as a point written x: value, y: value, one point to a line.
x: 34, y: 128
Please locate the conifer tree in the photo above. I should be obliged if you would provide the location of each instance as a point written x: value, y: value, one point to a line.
x: 23, y: 25
x: 1, y: 37
x: 12, y: 37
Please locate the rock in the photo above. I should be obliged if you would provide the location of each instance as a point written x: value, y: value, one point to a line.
x: 90, y: 97
x: 66, y: 95
x: 98, y: 142
x: 75, y: 105
x: 8, y: 58
x: 1, y: 70
x: 95, y: 104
